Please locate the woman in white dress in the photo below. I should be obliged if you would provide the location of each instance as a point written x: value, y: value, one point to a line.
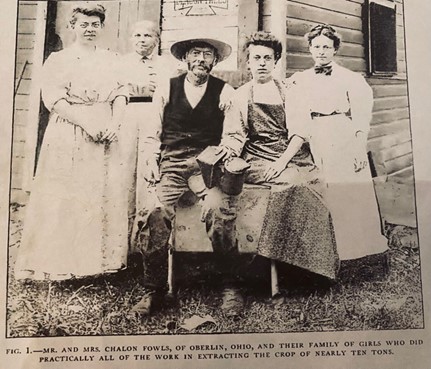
x: 338, y: 105
x: 76, y: 221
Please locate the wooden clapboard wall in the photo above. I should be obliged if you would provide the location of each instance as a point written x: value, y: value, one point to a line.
x: 390, y: 137
x: 30, y: 39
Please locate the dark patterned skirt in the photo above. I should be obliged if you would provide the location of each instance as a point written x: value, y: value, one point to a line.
x: 297, y: 230
x: 297, y: 227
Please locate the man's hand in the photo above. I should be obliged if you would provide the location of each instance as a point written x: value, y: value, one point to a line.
x: 151, y: 171
x: 225, y: 152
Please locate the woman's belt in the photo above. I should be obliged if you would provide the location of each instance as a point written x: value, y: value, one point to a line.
x: 318, y: 115
x: 139, y: 99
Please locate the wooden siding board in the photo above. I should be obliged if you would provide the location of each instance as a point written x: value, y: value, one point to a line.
x: 25, y: 41
x: 20, y: 117
x: 309, y: 13
x: 299, y: 44
x: 27, y: 71
x: 26, y: 26
x: 303, y: 61
x: 338, y: 6
x: 19, y: 71
x: 396, y: 164
x: 27, y: 11
x: 21, y: 101
x: 17, y: 166
x: 390, y: 115
x: 391, y: 102
x: 375, y: 81
x: 25, y: 55
x: 16, y: 183
x: 19, y: 196
x: 385, y: 90
x: 18, y: 148
x: 300, y: 27
x: 389, y: 141
x: 24, y: 86
x: 397, y: 151
x: 405, y: 175
x: 381, y: 130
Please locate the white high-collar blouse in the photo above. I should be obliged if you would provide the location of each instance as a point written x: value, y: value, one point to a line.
x: 343, y: 91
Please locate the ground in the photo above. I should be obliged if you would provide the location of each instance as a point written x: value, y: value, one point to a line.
x: 369, y: 295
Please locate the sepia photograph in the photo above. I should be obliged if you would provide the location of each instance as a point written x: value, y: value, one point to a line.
x: 196, y: 167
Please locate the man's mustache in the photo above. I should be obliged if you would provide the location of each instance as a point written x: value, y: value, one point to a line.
x: 202, y: 64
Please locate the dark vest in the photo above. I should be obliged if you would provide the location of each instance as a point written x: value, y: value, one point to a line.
x: 198, y: 127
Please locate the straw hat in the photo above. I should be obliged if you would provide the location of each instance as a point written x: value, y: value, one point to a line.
x: 180, y: 48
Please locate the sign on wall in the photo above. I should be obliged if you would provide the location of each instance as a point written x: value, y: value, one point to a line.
x: 201, y: 7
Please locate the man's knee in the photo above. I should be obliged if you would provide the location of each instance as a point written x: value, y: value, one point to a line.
x: 160, y: 217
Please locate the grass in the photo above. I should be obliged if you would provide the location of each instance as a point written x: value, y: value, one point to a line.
x: 365, y: 297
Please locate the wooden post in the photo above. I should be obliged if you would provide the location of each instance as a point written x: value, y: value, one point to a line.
x: 172, y: 244
x: 274, y: 279
x: 248, y: 17
x: 277, y: 26
x: 171, y: 272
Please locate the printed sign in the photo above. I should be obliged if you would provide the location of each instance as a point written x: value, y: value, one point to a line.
x: 201, y: 7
